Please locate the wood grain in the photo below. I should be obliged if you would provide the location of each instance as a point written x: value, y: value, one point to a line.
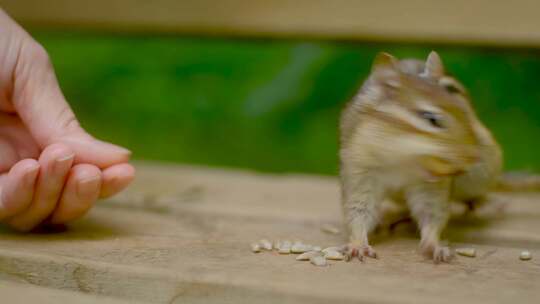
x: 181, y: 234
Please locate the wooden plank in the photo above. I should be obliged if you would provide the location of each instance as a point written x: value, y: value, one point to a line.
x: 181, y: 234
x: 20, y: 293
x: 478, y: 22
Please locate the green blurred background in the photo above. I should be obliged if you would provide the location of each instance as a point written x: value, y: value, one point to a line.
x: 268, y: 105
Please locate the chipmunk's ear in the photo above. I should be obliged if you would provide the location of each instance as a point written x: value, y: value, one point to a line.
x: 384, y: 65
x: 434, y: 66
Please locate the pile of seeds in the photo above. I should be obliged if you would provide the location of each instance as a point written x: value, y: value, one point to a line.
x: 319, y: 257
x: 306, y: 252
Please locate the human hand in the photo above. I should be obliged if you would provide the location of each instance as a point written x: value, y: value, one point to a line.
x: 51, y: 170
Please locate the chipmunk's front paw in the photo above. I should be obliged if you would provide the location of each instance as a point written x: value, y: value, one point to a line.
x: 352, y: 250
x: 442, y: 254
x: 439, y: 254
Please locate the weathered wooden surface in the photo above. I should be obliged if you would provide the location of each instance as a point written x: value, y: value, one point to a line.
x: 484, y: 22
x: 182, y: 234
x: 16, y: 293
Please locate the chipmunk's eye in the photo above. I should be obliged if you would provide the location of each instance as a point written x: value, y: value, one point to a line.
x: 452, y: 89
x: 433, y: 118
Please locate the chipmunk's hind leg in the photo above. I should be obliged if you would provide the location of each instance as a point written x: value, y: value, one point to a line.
x: 361, y: 218
x: 489, y: 203
x: 473, y: 204
x: 359, y: 200
x: 429, y: 204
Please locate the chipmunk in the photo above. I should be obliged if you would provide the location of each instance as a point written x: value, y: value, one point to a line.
x: 411, y: 134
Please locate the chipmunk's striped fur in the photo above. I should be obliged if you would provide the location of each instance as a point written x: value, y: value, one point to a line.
x: 411, y: 134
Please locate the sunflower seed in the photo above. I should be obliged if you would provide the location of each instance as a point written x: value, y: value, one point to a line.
x: 285, y: 247
x: 265, y: 244
x: 284, y: 250
x: 306, y: 256
x: 298, y: 247
x: 318, y: 261
x: 525, y: 255
x: 316, y: 248
x: 256, y: 248
x: 330, y: 229
x: 333, y: 248
x: 468, y: 252
x: 333, y: 255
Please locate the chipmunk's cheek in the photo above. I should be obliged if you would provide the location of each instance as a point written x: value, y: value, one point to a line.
x: 437, y: 168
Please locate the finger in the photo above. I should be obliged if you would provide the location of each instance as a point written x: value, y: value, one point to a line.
x: 55, y: 162
x: 8, y: 155
x: 18, y: 188
x: 116, y: 179
x: 92, y: 151
x: 81, y: 191
x: 16, y: 142
x: 38, y: 100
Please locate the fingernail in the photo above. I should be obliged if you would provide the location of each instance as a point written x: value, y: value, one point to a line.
x: 63, y: 163
x: 123, y: 150
x: 88, y: 187
x: 119, y: 149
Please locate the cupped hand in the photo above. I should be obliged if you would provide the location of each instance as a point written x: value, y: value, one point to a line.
x: 51, y: 170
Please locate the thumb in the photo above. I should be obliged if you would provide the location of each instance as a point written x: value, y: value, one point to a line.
x: 39, y: 102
